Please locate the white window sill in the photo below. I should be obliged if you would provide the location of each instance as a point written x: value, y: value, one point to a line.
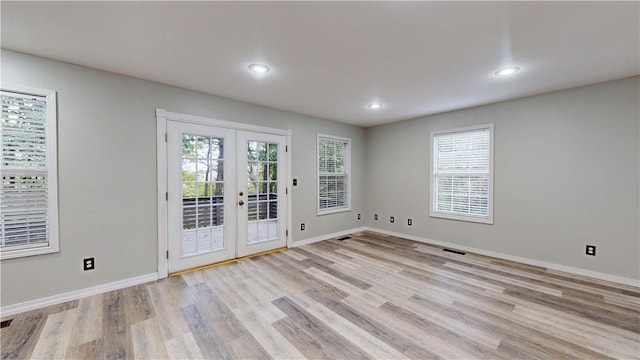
x: 475, y: 219
x: 333, y: 211
x: 28, y: 251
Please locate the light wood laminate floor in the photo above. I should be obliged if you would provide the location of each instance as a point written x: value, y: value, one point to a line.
x: 369, y: 297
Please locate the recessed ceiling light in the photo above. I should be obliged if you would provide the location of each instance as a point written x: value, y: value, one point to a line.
x: 259, y: 68
x: 375, y: 106
x: 507, y: 71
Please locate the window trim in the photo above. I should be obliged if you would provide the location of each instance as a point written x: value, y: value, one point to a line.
x: 347, y: 172
x: 432, y: 191
x: 53, y: 246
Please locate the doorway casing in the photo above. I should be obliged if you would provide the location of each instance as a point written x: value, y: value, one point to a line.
x: 162, y: 117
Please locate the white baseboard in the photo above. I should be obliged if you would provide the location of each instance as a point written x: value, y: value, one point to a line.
x: 548, y: 265
x: 76, y: 294
x: 326, y: 237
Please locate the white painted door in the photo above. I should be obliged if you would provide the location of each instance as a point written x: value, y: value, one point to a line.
x: 261, y: 192
x: 226, y: 194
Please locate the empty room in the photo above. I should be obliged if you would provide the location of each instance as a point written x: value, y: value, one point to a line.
x: 320, y: 180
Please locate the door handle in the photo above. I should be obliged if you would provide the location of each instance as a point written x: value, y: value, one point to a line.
x: 240, y: 202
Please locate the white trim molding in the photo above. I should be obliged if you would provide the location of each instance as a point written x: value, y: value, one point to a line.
x: 52, y: 245
x: 550, y: 266
x: 162, y: 118
x: 194, y: 119
x: 433, y: 194
x: 74, y: 295
x: 328, y: 236
x: 347, y: 165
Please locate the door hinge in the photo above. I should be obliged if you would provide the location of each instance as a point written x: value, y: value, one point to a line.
x: 167, y: 254
x: 286, y: 191
x: 166, y: 196
x: 286, y: 233
x: 286, y: 148
x: 166, y: 137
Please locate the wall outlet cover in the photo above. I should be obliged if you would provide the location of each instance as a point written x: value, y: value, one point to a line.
x: 89, y: 264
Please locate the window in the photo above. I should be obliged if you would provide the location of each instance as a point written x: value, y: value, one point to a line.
x: 462, y: 174
x: 28, y: 167
x: 334, y: 184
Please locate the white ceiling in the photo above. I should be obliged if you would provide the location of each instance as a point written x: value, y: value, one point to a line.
x: 331, y: 59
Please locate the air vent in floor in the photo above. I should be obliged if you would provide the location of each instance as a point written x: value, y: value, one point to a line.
x: 5, y: 323
x: 454, y: 251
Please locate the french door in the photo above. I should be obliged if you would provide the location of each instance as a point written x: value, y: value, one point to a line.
x: 226, y: 194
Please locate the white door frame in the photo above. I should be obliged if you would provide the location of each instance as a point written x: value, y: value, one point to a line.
x: 162, y: 116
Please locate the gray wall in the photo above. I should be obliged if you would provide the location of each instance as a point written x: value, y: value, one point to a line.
x: 107, y: 172
x: 566, y: 175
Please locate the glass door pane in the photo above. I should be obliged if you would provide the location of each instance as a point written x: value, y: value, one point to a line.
x: 261, y: 221
x: 202, y: 194
x: 201, y: 224
x: 262, y: 179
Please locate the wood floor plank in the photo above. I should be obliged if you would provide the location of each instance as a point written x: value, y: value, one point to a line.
x: 272, y: 341
x: 183, y: 347
x: 90, y: 350
x: 137, y: 304
x: 375, y: 348
x: 19, y: 340
x: 370, y: 325
x: 211, y: 346
x: 147, y: 340
x: 444, y: 342
x: 230, y: 335
x: 88, y: 326
x: 309, y: 324
x: 166, y: 300
x: 115, y: 327
x: 538, y: 342
x: 417, y: 340
x: 55, y: 336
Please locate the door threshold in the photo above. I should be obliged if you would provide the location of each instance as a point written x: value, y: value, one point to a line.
x: 224, y: 262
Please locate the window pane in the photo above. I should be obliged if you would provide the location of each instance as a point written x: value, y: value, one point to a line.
x: 189, y: 218
x: 273, y: 152
x: 24, y: 192
x: 217, y: 215
x: 273, y: 171
x: 204, y: 216
x: 461, y: 172
x: 332, y: 173
x: 188, y: 146
x: 253, y: 211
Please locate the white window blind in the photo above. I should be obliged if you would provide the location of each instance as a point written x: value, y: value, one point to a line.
x: 27, y: 199
x: 462, y: 174
x: 333, y: 174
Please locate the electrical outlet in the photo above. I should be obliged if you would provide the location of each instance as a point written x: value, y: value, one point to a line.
x: 358, y: 216
x: 295, y: 182
x: 375, y: 216
x: 392, y: 219
x: 302, y: 227
x: 409, y: 222
x: 89, y: 264
x: 591, y: 250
